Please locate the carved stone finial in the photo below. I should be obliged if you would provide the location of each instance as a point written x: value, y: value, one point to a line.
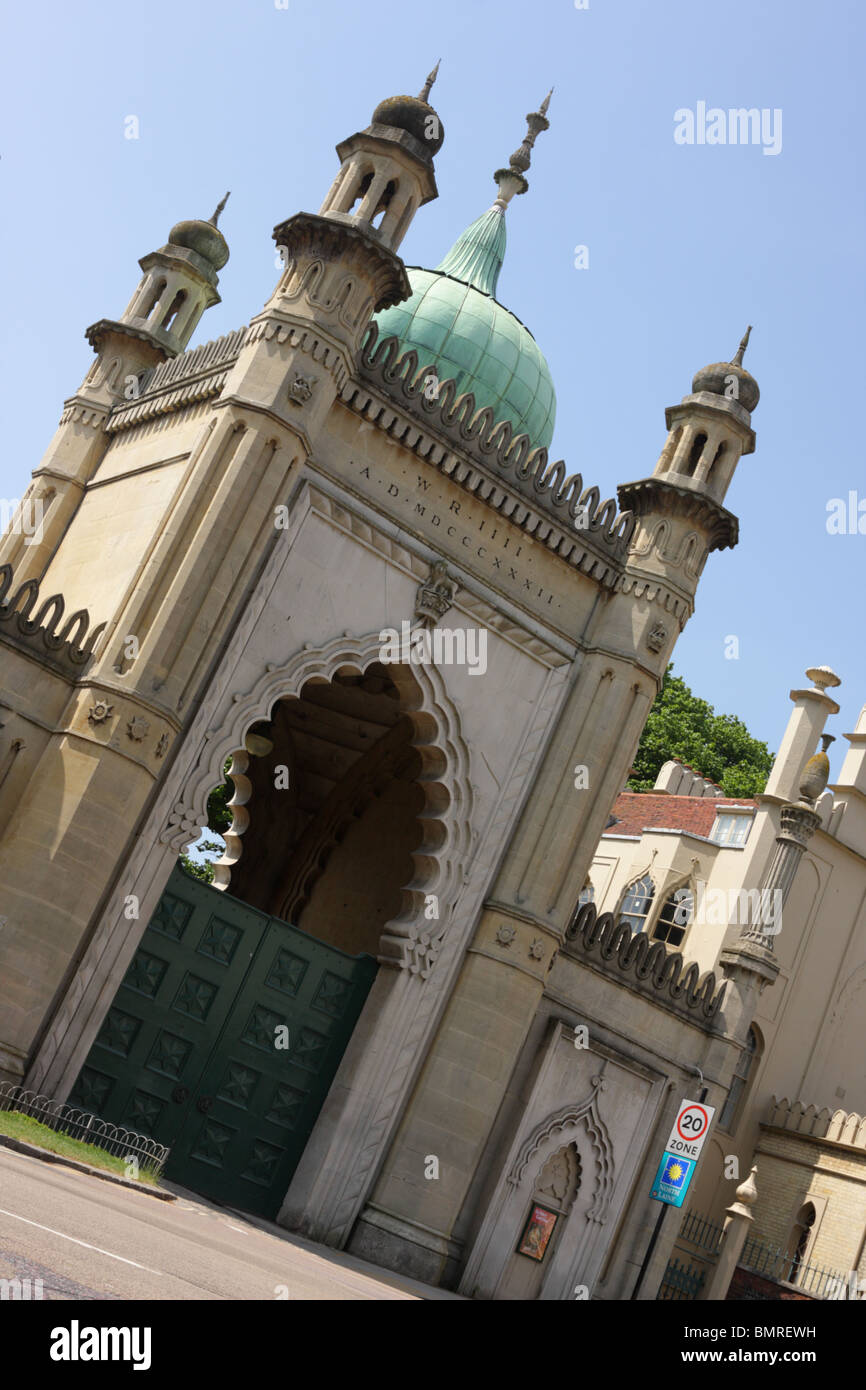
x: 435, y: 594
x: 513, y: 179
x: 747, y: 1192
x: 816, y: 773
x: 424, y: 93
x: 214, y: 221
x: 822, y: 677
x: 737, y: 359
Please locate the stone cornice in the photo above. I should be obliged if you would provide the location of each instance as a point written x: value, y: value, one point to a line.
x: 103, y: 328
x: 657, y: 495
x: 307, y: 234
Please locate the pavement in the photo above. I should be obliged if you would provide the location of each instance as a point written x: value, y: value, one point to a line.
x: 93, y: 1240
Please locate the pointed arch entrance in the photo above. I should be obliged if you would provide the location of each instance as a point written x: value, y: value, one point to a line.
x: 350, y: 808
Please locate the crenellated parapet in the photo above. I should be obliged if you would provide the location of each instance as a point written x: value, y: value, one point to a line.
x: 836, y: 1126
x: 493, y: 443
x: 644, y: 964
x: 40, y: 626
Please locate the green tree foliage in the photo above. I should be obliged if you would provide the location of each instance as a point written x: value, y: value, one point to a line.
x: 718, y: 746
x: 219, y: 818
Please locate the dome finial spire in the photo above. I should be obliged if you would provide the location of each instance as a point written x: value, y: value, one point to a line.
x: 214, y: 221
x: 737, y: 359
x: 424, y: 93
x: 513, y: 179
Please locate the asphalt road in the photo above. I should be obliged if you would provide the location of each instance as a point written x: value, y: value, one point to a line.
x: 89, y: 1239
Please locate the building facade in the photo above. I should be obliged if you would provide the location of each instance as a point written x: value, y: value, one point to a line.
x: 685, y: 865
x: 367, y: 1028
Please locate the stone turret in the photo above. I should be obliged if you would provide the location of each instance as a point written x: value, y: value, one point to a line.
x: 179, y: 283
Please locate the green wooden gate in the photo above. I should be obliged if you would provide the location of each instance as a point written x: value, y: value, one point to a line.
x: 193, y: 1049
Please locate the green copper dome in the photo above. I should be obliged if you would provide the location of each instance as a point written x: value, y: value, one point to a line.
x: 454, y: 322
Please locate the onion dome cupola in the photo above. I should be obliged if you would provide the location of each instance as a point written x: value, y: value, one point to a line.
x: 711, y: 429
x: 730, y: 379
x: 179, y: 283
x: 455, y: 323
x: 386, y: 172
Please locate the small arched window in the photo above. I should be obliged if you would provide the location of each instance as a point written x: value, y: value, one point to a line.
x: 733, y: 1106
x: 154, y: 296
x: 637, y: 902
x: 695, y: 454
x: 675, y: 916
x: 174, y: 309
x: 720, y: 454
x: 801, y: 1235
x: 361, y: 190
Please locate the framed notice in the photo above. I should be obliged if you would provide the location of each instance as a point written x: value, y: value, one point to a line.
x: 537, y: 1232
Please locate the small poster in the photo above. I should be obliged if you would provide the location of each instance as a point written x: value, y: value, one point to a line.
x: 537, y: 1233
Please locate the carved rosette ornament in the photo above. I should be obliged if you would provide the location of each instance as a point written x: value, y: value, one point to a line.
x: 100, y: 712
x: 505, y: 935
x: 435, y: 595
x: 162, y: 745
x: 136, y: 728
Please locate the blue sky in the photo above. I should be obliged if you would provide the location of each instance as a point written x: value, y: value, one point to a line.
x: 687, y: 244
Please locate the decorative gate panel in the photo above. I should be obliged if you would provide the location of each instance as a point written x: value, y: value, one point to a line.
x: 222, y: 1042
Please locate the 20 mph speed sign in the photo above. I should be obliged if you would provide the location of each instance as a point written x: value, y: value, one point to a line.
x: 690, y: 1128
x: 685, y: 1142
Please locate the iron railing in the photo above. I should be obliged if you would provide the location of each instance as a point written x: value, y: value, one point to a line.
x: 87, y: 1127
x: 680, y: 1283
x: 700, y: 1231
x: 776, y: 1264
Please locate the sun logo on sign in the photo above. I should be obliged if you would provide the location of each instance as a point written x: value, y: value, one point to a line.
x: 675, y: 1172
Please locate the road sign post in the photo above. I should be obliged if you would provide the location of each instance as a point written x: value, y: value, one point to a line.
x: 682, y: 1150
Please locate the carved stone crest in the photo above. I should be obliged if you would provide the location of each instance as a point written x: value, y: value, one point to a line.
x: 656, y: 637
x: 435, y: 594
x: 162, y: 745
x: 301, y: 388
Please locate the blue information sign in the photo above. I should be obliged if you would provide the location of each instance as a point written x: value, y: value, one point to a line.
x: 672, y: 1179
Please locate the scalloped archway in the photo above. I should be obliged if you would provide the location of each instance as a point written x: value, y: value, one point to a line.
x: 410, y: 939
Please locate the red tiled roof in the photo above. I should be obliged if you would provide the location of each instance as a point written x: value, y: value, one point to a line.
x: 637, y: 811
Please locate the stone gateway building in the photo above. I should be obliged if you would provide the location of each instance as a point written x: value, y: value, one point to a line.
x: 366, y: 1028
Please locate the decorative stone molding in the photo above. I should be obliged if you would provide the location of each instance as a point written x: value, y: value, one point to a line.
x: 494, y: 445
x: 39, y: 632
x: 304, y: 338
x: 836, y: 1126
x: 83, y: 413
x: 654, y: 592
x: 656, y: 637
x: 436, y: 595
x: 309, y: 236
x: 562, y: 1124
x: 647, y: 965
x: 408, y: 941
x: 184, y: 826
x: 193, y: 376
x: 99, y: 712
x: 137, y: 728
x: 651, y: 495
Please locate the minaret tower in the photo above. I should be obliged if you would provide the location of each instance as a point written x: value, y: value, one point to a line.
x: 179, y: 283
